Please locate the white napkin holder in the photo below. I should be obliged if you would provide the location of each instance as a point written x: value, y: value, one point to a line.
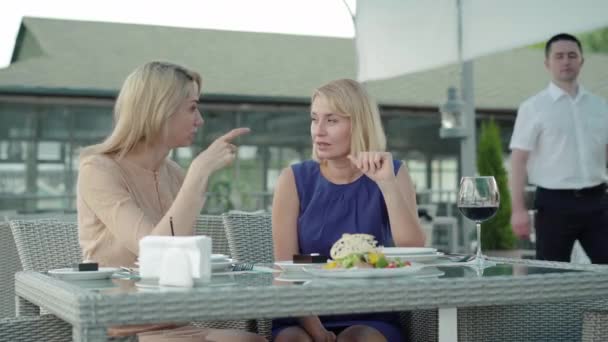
x: 158, y: 253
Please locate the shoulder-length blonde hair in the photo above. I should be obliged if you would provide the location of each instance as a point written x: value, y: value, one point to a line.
x: 348, y: 98
x: 148, y: 97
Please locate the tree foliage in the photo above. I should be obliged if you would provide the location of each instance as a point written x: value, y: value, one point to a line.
x: 592, y: 42
x: 496, y: 233
x: 596, y: 41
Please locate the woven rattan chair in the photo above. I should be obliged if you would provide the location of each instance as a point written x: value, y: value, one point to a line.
x: 46, y: 328
x: 595, y: 326
x: 250, y: 240
x: 9, y: 265
x: 48, y: 243
x: 420, y: 325
x: 10, y: 262
x: 43, y: 244
x: 249, y: 237
x: 213, y: 226
x: 563, y: 321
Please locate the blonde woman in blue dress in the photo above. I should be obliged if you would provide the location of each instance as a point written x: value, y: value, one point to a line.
x: 352, y: 185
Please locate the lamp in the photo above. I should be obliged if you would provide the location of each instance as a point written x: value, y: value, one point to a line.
x: 452, y: 121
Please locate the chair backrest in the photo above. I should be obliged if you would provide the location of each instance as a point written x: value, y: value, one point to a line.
x: 249, y: 236
x: 213, y: 226
x: 60, y: 216
x: 46, y: 244
x: 46, y: 328
x: 9, y: 265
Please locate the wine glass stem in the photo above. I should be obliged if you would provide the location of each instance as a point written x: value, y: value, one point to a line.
x: 479, y: 255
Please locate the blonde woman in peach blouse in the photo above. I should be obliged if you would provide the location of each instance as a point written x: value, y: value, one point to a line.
x: 127, y: 186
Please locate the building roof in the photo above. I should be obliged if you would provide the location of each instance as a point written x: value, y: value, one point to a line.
x: 93, y: 58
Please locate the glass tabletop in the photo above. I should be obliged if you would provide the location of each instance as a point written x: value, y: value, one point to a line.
x: 124, y: 285
x: 514, y: 270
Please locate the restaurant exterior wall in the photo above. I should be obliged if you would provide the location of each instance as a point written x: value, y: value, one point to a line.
x: 40, y: 140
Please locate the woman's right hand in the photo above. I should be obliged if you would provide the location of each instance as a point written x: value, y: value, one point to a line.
x: 220, y: 153
x: 324, y: 335
x: 313, y: 326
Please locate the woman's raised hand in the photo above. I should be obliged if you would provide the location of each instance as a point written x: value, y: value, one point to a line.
x: 221, y: 152
x: 376, y: 165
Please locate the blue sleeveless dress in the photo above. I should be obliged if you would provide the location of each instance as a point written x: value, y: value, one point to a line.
x: 327, y: 211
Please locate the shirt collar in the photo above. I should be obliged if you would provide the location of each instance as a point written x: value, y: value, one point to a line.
x: 556, y: 92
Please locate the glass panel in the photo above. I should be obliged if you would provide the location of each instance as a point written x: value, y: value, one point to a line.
x: 184, y: 155
x: 449, y: 179
x: 444, y: 179
x: 280, y: 136
x: 50, y: 151
x: 276, y: 141
x: 16, y: 121
x: 13, y: 150
x: 251, y: 181
x: 12, y: 178
x: 418, y: 170
x: 54, y: 123
x: 91, y: 124
x: 51, y: 187
x: 220, y: 196
x: 15, y: 128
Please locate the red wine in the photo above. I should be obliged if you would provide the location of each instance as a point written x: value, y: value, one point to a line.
x: 478, y: 214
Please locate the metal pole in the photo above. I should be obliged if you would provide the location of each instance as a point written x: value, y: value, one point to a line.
x: 468, y: 144
x: 468, y: 162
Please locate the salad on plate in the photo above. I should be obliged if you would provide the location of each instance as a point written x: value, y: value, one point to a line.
x: 360, y: 251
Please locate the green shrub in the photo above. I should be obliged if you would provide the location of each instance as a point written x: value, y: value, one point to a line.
x: 496, y: 233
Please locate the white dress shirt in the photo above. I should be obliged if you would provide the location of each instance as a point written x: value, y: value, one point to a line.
x: 566, y: 138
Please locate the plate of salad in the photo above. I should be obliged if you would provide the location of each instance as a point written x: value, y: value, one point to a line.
x: 356, y: 256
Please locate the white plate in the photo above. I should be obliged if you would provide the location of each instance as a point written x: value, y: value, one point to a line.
x: 70, y: 274
x: 364, y: 272
x: 221, y: 265
x: 153, y: 283
x: 288, y: 265
x: 219, y: 257
x: 415, y: 257
x: 399, y: 251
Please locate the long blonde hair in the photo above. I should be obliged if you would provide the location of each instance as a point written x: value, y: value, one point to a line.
x: 148, y: 97
x: 348, y: 98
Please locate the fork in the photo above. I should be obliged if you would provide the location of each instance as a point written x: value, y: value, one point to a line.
x: 460, y: 257
x: 129, y: 269
x: 242, y: 266
x: 466, y: 258
x: 127, y: 272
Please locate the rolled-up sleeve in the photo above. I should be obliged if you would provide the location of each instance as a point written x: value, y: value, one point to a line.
x: 104, y: 191
x: 526, y: 130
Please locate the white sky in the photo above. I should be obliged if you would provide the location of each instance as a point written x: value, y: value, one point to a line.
x: 309, y: 17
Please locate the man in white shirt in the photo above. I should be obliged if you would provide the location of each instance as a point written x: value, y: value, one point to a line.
x: 560, y: 143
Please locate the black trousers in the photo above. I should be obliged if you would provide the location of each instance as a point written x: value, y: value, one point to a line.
x: 564, y: 216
